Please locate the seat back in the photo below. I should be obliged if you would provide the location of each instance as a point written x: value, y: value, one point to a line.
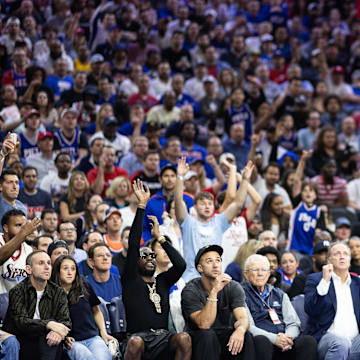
x: 105, y: 313
x: 298, y: 304
x: 117, y: 315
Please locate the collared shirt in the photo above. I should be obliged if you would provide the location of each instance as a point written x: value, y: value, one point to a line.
x: 345, y: 324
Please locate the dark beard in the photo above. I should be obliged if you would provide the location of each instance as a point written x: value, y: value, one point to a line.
x: 147, y: 273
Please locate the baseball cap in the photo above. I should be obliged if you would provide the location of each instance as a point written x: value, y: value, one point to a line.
x: 44, y: 134
x: 167, y: 167
x: 342, y: 221
x: 190, y: 174
x: 225, y: 156
x: 206, y: 249
x: 300, y: 100
x: 111, y: 211
x: 338, y: 69
x: 110, y: 121
x: 321, y: 246
x: 209, y: 78
x: 57, y: 244
x: 30, y: 113
x: 96, y: 58
x: 79, y: 31
x: 315, y: 52
x: 112, y: 27
x: 278, y: 53
x: 211, y: 12
x: 196, y: 160
x: 266, y: 37
x: 68, y: 110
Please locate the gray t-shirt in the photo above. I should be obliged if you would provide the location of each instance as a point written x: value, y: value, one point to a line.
x: 5, y: 207
x: 193, y: 299
x: 196, y: 235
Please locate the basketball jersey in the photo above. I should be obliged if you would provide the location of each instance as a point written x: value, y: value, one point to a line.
x: 27, y: 148
x: 69, y: 146
x: 12, y: 271
x: 20, y: 82
x: 303, y: 222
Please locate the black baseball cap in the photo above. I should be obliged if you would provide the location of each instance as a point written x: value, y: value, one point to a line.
x: 57, y: 244
x: 321, y: 246
x: 167, y: 167
x: 206, y: 249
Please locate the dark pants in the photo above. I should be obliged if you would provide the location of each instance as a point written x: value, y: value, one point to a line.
x: 211, y: 345
x: 37, y: 348
x: 305, y: 348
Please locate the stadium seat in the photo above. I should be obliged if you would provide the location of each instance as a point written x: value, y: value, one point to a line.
x: 117, y: 316
x: 298, y: 304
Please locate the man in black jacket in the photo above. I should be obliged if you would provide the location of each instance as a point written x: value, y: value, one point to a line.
x: 146, y: 298
x: 38, y: 313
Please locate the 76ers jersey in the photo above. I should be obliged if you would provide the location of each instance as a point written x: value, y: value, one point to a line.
x: 69, y: 146
x: 303, y: 222
x: 27, y: 148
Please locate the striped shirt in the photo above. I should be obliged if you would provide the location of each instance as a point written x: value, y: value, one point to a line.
x: 329, y: 193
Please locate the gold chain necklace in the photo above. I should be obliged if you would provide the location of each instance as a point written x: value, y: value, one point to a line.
x: 154, y: 296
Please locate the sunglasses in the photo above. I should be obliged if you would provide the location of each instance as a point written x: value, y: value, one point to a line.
x: 145, y: 255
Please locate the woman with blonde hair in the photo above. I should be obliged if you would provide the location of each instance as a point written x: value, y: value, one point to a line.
x: 72, y: 203
x: 106, y: 110
x: 118, y: 192
x: 227, y: 82
x: 236, y: 268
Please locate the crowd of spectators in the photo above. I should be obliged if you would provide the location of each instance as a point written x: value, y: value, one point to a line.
x: 155, y: 155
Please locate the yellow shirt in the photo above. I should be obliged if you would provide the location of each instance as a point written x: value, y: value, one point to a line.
x: 78, y: 66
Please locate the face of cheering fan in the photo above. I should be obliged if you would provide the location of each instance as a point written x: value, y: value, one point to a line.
x: 147, y: 262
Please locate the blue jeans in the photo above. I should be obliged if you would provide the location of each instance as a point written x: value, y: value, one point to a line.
x: 9, y: 348
x: 89, y: 349
x: 333, y: 347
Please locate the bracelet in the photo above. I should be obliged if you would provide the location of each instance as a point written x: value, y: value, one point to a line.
x: 161, y: 239
x: 212, y: 300
x: 180, y: 177
x: 141, y: 207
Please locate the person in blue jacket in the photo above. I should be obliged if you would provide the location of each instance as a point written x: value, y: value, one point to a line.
x: 332, y: 301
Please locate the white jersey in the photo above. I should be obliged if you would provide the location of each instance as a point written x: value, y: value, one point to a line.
x: 12, y: 271
x: 232, y: 239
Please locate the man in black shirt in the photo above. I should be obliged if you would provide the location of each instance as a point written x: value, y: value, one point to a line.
x: 120, y: 258
x: 76, y: 94
x: 150, y: 175
x: 146, y: 298
x: 214, y: 310
x: 35, y: 200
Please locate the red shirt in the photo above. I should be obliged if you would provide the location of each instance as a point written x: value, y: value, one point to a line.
x: 92, y: 174
x: 146, y: 102
x: 278, y: 76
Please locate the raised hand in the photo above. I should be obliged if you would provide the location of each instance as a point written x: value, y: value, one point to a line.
x: 255, y: 139
x: 210, y: 159
x: 182, y: 167
x: 155, y: 231
x: 142, y: 194
x: 327, y: 270
x: 229, y: 165
x: 30, y: 226
x: 220, y: 282
x: 8, y: 145
x: 306, y: 155
x: 247, y: 171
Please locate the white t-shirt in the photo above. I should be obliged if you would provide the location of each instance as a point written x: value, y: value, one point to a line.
x: 13, y: 270
x: 54, y: 185
x: 39, y: 295
x: 261, y: 188
x: 127, y: 216
x: 353, y: 188
x: 232, y: 239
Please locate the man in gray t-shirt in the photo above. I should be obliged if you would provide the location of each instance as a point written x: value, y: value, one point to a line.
x: 214, y: 310
x: 205, y: 228
x: 9, y: 183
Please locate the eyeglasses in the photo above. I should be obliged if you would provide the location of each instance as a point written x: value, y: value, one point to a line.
x: 258, y: 270
x: 145, y: 255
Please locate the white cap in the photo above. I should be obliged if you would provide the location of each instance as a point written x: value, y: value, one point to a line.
x: 225, y: 156
x: 190, y: 174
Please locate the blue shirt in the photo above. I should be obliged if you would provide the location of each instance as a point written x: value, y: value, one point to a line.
x: 197, y: 152
x: 198, y: 234
x: 156, y: 206
x: 59, y: 85
x: 5, y: 207
x: 240, y: 151
x: 243, y: 116
x: 303, y: 222
x: 106, y: 290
